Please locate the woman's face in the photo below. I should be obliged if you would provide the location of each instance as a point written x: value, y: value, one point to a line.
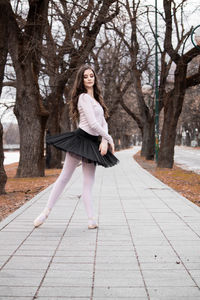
x: 88, y: 79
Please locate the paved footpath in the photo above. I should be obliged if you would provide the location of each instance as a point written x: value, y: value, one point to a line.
x: 147, y: 245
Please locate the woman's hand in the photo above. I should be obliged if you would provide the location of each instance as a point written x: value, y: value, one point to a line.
x: 112, y: 148
x: 103, y: 147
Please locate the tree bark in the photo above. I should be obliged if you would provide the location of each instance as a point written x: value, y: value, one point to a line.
x: 168, y: 136
x: 148, y: 139
x: 31, y: 125
x: 53, y: 127
x: 173, y: 104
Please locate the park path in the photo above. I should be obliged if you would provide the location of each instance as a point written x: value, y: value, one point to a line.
x: 147, y: 245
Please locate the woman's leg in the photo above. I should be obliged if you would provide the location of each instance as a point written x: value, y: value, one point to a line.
x: 88, y: 181
x: 69, y: 166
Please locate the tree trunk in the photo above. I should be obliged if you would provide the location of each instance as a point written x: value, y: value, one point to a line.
x: 173, y: 103
x: 148, y: 139
x: 3, y: 176
x: 31, y: 163
x: 168, y: 135
x: 56, y: 107
x: 54, y: 128
x: 31, y: 120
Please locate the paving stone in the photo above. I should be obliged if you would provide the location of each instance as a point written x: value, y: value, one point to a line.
x: 156, y: 254
x: 151, y: 242
x: 74, y: 259
x: 158, y: 265
x: 76, y: 281
x: 190, y: 259
x: 117, y: 253
x: 113, y: 248
x: 74, y: 265
x: 35, y: 253
x: 77, y: 253
x: 118, y: 279
x: 167, y: 278
x: 19, y: 281
x: 115, y: 259
x: 13, y: 273
x: 17, y: 291
x: 117, y: 266
x: 118, y: 274
x: 114, y: 292
x: 6, y: 252
x: 85, y: 269
x: 188, y: 250
x: 174, y: 292
x: 28, y: 262
x: 37, y: 247
x: 69, y: 291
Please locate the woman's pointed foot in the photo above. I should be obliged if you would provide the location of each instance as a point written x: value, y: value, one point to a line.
x: 42, y: 217
x: 92, y: 223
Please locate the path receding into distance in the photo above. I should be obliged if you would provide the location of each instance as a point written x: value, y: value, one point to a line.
x: 147, y: 245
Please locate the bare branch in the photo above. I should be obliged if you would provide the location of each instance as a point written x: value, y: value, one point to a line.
x: 131, y: 113
x: 168, y: 32
x: 10, y: 83
x: 193, y: 80
x: 188, y: 56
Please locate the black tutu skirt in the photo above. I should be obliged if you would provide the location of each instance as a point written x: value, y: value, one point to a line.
x: 84, y: 146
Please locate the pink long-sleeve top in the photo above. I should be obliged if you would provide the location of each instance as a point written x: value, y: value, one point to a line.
x: 92, y: 117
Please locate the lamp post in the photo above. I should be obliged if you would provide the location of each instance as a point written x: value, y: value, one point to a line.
x: 156, y: 85
x: 196, y: 35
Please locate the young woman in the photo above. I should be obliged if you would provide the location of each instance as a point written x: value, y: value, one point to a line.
x: 83, y: 144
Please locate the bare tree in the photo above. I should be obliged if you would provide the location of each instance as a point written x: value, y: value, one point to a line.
x: 139, y: 51
x: 173, y: 99
x: 24, y: 46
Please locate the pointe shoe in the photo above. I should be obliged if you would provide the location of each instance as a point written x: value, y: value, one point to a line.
x: 42, y: 217
x: 92, y: 223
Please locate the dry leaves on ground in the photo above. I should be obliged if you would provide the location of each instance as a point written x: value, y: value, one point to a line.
x: 20, y: 190
x: 187, y: 183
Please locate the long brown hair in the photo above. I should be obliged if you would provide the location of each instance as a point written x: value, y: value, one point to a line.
x: 79, y: 88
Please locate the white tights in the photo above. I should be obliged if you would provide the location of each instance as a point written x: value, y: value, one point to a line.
x: 69, y: 166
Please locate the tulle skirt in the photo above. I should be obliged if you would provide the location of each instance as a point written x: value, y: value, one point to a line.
x: 84, y: 146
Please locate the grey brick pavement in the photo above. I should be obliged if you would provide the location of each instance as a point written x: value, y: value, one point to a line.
x: 147, y: 245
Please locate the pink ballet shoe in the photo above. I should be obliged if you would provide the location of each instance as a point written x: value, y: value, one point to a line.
x: 42, y: 217
x: 92, y: 223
